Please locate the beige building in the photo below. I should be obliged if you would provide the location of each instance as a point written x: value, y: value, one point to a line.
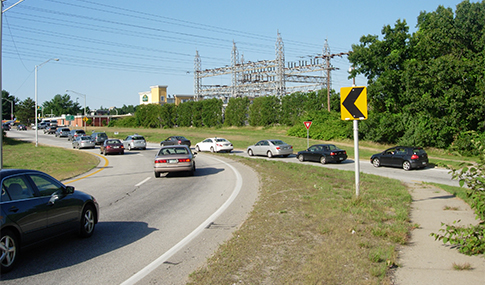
x: 158, y: 95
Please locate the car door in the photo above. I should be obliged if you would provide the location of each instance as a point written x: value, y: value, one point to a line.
x: 62, y: 213
x: 398, y: 156
x: 206, y: 144
x: 386, y: 157
x: 312, y: 154
x: 126, y: 142
x: 24, y: 207
x: 262, y: 148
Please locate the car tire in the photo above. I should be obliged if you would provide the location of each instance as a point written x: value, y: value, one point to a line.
x: 9, y: 250
x: 406, y: 165
x: 269, y: 154
x: 104, y: 152
x: 376, y: 162
x: 122, y: 152
x: 129, y: 147
x: 323, y: 159
x: 212, y: 149
x: 88, y: 222
x: 197, y: 148
x: 250, y: 152
x: 157, y: 174
x: 301, y: 158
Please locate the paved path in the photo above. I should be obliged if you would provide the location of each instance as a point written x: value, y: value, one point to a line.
x: 426, y: 261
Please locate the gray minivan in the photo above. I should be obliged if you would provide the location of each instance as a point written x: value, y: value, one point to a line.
x: 99, y: 137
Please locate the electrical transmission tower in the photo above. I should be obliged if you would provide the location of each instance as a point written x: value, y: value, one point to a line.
x: 266, y: 77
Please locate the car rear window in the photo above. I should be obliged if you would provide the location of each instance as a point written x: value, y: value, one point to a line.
x: 419, y: 151
x: 173, y: 150
x: 277, y: 142
x: 138, y: 138
x: 221, y: 140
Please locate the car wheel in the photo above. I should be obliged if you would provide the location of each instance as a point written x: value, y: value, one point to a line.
x: 104, y: 152
x: 122, y: 152
x: 323, y: 159
x: 250, y: 152
x: 9, y: 250
x: 212, y: 149
x: 88, y: 222
x: 406, y: 165
x: 301, y: 158
x: 269, y: 154
x: 129, y: 147
x: 157, y: 174
x: 376, y: 162
x: 197, y: 148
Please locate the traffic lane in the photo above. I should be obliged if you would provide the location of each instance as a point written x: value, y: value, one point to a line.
x: 132, y: 231
x: 428, y: 174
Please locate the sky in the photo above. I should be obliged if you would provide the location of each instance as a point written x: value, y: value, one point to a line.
x: 111, y: 50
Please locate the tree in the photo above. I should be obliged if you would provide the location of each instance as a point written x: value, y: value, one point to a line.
x: 26, y: 111
x: 148, y: 116
x: 236, y: 112
x: 62, y: 104
x: 432, y: 81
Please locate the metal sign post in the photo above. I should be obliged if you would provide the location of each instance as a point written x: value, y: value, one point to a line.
x: 353, y: 106
x: 307, y: 125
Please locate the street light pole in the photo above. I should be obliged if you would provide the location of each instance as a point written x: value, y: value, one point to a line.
x: 84, y: 95
x: 36, y: 106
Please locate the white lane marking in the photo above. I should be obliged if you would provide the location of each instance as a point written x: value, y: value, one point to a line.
x: 164, y: 257
x: 148, y: 178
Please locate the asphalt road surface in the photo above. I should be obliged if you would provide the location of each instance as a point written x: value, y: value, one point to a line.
x: 150, y: 230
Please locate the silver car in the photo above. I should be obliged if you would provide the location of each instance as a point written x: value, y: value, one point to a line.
x: 174, y: 158
x: 135, y: 142
x: 270, y: 148
x: 83, y: 142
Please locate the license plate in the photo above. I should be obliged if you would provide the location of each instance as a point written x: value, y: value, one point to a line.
x: 341, y: 158
x: 172, y: 161
x: 116, y: 147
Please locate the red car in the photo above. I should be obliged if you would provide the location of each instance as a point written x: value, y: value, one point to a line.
x: 111, y: 146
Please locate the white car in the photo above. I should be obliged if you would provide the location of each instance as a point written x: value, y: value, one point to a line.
x: 214, y: 145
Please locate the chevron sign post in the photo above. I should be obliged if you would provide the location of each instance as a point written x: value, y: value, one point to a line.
x: 353, y: 106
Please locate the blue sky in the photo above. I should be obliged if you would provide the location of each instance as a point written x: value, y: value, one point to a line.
x: 111, y: 50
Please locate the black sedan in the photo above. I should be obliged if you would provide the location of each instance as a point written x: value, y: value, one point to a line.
x: 34, y: 207
x: 175, y: 140
x: 407, y: 157
x: 323, y: 153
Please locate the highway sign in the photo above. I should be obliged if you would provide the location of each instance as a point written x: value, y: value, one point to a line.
x: 307, y: 124
x: 353, y: 103
x: 70, y: 118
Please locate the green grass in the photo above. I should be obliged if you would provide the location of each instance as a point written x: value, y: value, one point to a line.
x: 61, y: 163
x: 308, y: 228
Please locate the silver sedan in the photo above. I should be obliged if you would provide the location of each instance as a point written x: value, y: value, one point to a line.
x: 270, y: 148
x: 83, y: 142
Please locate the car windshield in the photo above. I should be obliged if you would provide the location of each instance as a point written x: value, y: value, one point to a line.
x: 221, y: 140
x: 277, y: 142
x: 173, y: 150
x: 85, y: 138
x: 419, y: 151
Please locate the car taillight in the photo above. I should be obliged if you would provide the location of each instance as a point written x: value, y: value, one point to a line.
x: 180, y: 142
x: 333, y: 153
x: 184, y: 160
x: 218, y: 144
x: 278, y: 148
x: 160, y: 161
x: 414, y: 156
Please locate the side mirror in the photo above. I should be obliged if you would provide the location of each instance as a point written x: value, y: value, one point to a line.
x: 69, y: 190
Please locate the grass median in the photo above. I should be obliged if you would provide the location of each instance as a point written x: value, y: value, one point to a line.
x: 308, y: 228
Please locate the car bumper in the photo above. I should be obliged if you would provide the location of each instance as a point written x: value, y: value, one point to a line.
x: 283, y: 152
x: 176, y: 167
x: 419, y: 164
x: 336, y: 158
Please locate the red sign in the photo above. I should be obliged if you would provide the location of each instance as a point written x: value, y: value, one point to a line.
x: 307, y: 124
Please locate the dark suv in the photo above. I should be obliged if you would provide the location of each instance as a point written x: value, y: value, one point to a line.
x: 99, y: 137
x: 407, y: 157
x: 73, y: 134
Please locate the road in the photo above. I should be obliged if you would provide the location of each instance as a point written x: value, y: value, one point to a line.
x: 150, y: 230
x: 159, y: 230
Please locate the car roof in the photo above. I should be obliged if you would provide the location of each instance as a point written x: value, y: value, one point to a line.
x: 8, y: 172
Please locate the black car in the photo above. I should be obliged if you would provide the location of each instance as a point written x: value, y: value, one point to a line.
x: 21, y: 127
x: 407, y: 157
x: 35, y: 207
x: 6, y: 127
x: 323, y: 153
x: 175, y: 140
